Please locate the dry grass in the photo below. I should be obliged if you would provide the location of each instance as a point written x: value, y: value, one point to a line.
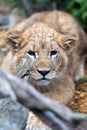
x: 79, y: 102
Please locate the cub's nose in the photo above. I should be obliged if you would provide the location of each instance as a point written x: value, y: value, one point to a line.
x: 43, y: 72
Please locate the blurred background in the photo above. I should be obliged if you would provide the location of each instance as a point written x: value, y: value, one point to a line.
x: 24, y: 8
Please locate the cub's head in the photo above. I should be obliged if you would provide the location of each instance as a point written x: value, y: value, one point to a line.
x: 45, y: 51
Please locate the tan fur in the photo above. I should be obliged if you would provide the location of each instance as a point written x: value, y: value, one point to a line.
x: 63, y: 23
x: 43, y: 33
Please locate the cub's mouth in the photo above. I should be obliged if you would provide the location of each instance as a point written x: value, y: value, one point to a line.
x: 27, y: 74
x: 43, y: 79
x: 38, y: 79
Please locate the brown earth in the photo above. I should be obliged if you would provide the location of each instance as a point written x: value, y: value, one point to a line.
x: 79, y: 102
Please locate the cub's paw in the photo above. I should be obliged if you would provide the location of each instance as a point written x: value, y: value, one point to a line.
x: 79, y: 76
x: 79, y: 72
x: 31, y: 127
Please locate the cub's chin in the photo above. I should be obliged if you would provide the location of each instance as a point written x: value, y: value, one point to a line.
x: 42, y: 82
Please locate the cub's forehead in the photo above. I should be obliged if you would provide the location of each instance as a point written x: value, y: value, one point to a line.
x: 39, y: 31
x: 37, y: 43
x: 40, y: 37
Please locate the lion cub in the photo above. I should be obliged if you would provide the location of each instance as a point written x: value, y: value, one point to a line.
x: 48, y: 50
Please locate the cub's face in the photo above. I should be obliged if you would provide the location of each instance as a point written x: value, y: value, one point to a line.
x: 45, y: 52
x: 46, y: 60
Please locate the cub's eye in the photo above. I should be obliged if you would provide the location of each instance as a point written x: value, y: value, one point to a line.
x: 32, y: 53
x: 53, y: 53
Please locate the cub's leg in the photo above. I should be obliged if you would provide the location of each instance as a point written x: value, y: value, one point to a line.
x: 34, y: 123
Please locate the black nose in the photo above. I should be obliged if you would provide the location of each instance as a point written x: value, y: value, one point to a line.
x: 43, y: 72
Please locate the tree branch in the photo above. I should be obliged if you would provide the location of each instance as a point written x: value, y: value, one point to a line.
x: 50, y: 112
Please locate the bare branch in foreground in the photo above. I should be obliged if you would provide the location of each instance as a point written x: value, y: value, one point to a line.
x: 55, y: 115
x: 13, y: 116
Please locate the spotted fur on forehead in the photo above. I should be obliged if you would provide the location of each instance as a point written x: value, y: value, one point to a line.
x: 40, y: 32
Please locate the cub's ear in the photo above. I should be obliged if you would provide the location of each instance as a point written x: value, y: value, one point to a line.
x: 14, y: 40
x: 69, y: 42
